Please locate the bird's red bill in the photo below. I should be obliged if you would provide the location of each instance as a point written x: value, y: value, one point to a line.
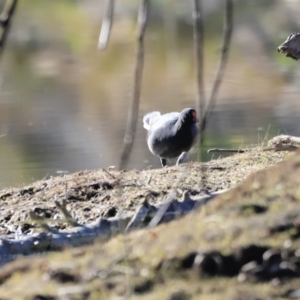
x: 195, y: 119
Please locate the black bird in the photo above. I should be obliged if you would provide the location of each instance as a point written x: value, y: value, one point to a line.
x: 171, y: 135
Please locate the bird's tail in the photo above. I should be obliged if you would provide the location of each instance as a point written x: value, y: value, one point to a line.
x: 150, y: 119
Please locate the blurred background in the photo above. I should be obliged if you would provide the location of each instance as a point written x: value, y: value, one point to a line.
x: 63, y: 103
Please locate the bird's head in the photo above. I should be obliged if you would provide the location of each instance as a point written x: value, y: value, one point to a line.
x: 188, y: 115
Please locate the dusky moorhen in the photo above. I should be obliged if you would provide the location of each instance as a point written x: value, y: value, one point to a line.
x: 172, y: 134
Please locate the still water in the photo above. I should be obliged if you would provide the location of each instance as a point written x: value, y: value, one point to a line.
x: 63, y: 103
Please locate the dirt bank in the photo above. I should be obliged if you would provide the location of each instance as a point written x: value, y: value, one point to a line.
x: 202, y: 255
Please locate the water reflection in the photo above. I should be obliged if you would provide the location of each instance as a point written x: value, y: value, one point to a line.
x: 64, y: 104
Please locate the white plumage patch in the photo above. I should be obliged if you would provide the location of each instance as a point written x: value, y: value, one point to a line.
x: 155, y: 119
x: 150, y: 119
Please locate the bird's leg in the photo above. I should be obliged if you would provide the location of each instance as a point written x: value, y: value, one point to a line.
x: 163, y: 162
x: 181, y: 159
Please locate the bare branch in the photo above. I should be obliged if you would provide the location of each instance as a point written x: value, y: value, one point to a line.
x: 198, y: 33
x: 68, y: 217
x: 227, y: 32
x: 106, y: 25
x: 217, y: 150
x: 134, y: 106
x: 199, y: 53
x: 5, y: 21
x: 142, y: 19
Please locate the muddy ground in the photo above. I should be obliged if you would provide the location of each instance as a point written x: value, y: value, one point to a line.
x: 242, y: 245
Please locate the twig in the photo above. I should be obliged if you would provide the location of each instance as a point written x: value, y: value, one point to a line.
x: 106, y: 25
x: 112, y: 176
x: 198, y: 33
x: 5, y: 21
x: 68, y: 217
x: 199, y: 53
x: 161, y: 211
x: 134, y: 106
x: 227, y: 32
x: 213, y: 150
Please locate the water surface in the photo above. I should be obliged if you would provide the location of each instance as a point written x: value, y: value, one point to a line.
x: 64, y: 103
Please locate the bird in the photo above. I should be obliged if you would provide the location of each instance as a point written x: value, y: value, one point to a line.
x: 172, y: 134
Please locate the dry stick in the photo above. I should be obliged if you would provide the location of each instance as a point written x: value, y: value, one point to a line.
x: 134, y: 106
x: 214, y: 150
x: 68, y: 217
x: 106, y: 24
x: 112, y: 176
x: 198, y: 37
x: 5, y: 21
x: 227, y: 32
x: 199, y: 53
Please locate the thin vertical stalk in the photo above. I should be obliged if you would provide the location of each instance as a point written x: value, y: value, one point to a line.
x: 227, y: 33
x: 106, y: 25
x: 198, y: 33
x: 133, y: 111
x: 199, y: 54
x: 5, y: 21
